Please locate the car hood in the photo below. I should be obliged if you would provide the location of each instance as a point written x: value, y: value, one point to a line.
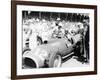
x: 53, y: 46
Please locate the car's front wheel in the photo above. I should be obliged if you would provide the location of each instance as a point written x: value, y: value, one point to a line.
x: 55, y: 60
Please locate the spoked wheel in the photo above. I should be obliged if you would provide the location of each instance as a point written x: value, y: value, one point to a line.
x: 55, y: 60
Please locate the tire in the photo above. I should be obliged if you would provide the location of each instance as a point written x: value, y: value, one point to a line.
x: 26, y: 49
x: 55, y: 60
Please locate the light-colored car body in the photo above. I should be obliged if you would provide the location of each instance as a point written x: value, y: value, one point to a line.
x: 46, y: 53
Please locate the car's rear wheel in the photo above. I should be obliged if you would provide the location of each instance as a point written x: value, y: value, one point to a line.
x: 55, y: 60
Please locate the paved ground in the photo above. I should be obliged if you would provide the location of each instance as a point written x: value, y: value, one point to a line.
x: 73, y: 63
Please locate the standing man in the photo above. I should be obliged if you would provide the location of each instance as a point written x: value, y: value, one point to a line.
x: 86, y: 40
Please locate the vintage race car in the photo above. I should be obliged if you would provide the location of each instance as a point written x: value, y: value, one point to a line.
x: 49, y: 54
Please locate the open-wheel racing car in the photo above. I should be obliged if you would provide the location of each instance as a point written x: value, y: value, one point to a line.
x: 49, y: 54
